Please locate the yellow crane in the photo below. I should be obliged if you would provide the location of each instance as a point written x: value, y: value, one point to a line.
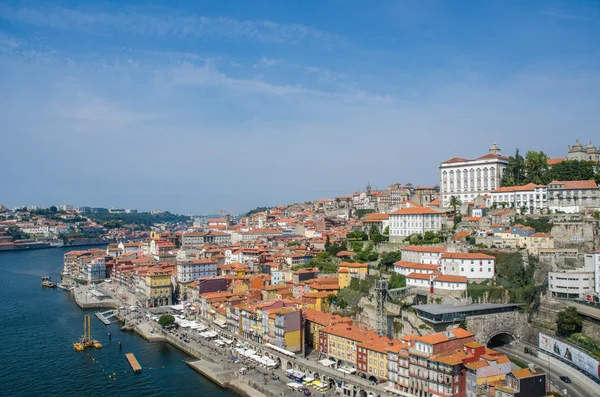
x: 86, y: 340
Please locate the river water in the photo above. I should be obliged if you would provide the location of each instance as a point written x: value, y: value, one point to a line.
x: 37, y: 329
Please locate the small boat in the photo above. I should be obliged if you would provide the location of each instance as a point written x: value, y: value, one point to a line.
x: 78, y: 346
x: 46, y: 282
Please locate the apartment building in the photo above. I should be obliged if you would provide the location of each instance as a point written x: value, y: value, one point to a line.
x: 422, y: 254
x: 471, y: 265
x: 339, y: 343
x: 193, y: 270
x: 413, y: 220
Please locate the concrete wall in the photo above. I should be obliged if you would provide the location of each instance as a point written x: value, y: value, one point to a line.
x: 583, y: 234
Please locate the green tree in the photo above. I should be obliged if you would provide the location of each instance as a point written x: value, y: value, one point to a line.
x: 327, y: 245
x: 568, y: 322
x: 397, y: 281
x: 165, y: 320
x: 514, y: 173
x: 455, y: 202
x: 429, y: 235
x: 16, y: 233
x: 572, y: 170
x: 53, y: 208
x: 356, y: 235
x: 536, y: 168
x: 389, y: 258
x: 375, y: 236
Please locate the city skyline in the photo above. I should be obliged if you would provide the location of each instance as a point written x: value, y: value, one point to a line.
x: 207, y: 106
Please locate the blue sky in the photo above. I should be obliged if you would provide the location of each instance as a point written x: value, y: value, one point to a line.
x: 212, y: 105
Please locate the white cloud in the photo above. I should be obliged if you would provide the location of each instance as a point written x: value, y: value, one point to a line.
x: 9, y: 42
x: 556, y: 13
x: 176, y: 25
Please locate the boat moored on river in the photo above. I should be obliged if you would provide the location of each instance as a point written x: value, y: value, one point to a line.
x: 47, y: 282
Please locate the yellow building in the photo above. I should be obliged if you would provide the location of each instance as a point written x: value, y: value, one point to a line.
x: 158, y: 288
x: 372, y: 356
x: 536, y: 241
x: 344, y: 277
x: 317, y: 300
x: 287, y: 328
x: 340, y: 342
x: 355, y: 269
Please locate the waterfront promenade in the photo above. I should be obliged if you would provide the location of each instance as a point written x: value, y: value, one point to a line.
x: 271, y: 383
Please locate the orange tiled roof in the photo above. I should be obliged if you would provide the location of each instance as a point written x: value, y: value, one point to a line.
x: 465, y: 255
x: 416, y: 211
x: 539, y: 234
x: 414, y: 265
x: 380, y: 344
x: 528, y: 187
x: 350, y: 331
x: 556, y: 160
x: 353, y: 265
x: 422, y: 248
x: 451, y: 279
x: 576, y: 184
x: 420, y: 276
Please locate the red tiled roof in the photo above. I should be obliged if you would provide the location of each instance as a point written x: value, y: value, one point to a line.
x: 451, y: 279
x: 419, y: 276
x: 556, y: 160
x: 465, y: 255
x: 413, y: 265
x: 575, y: 184
x: 455, y: 160
x: 528, y: 187
x: 419, y: 248
x: 416, y: 211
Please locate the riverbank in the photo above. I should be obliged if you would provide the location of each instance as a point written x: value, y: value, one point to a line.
x: 209, y: 361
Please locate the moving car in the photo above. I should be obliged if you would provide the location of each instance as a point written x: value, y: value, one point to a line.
x: 565, y: 379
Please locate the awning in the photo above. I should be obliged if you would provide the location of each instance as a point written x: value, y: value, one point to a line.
x: 249, y: 353
x: 220, y: 322
x: 280, y: 350
x: 327, y: 362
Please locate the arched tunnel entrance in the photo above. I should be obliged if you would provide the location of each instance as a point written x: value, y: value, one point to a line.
x: 500, y: 339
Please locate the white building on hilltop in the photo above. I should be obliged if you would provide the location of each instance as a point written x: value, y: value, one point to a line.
x: 413, y: 220
x: 534, y: 198
x: 467, y: 179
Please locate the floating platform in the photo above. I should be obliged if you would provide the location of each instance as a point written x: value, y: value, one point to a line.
x: 133, y: 362
x: 103, y: 317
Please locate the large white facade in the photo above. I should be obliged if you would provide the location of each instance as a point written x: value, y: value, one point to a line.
x: 191, y: 271
x: 193, y: 239
x: 470, y: 265
x: 571, y: 284
x: 407, y: 221
x: 422, y: 254
x: 96, y: 270
x: 531, y: 196
x: 467, y: 179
